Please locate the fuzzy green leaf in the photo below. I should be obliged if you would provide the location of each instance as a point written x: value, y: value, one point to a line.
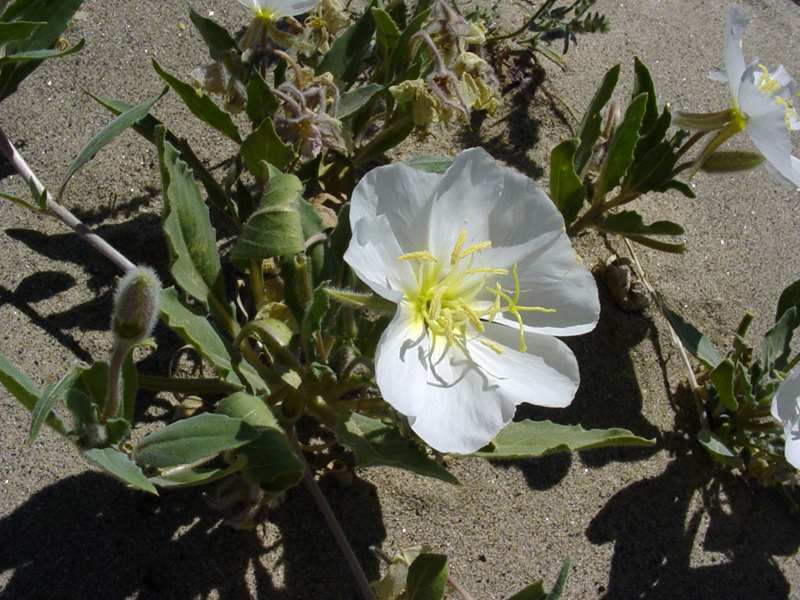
x: 346, y: 54
x: 376, y: 443
x: 427, y: 577
x: 264, y: 146
x: 47, y: 400
x: 353, y: 101
x: 17, y: 30
x: 214, y: 35
x: 193, y: 440
x: 694, y: 341
x: 26, y: 392
x: 592, y: 122
x: 118, y: 464
x: 201, y: 105
x: 566, y: 189
x: 261, y: 102
x: 250, y: 409
x: 537, y: 438
x: 718, y: 450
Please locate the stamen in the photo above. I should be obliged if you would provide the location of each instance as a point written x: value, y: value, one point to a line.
x: 490, y: 344
x: 475, y: 248
x: 473, y: 318
x: 436, y: 301
x: 767, y: 85
x: 422, y: 255
x: 487, y: 270
x: 457, y: 249
x: 447, y: 317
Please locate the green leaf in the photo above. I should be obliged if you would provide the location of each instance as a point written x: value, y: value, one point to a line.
x: 346, y: 54
x: 17, y: 30
x: 204, y: 338
x: 620, y: 148
x: 429, y: 163
x: 694, y: 341
x: 192, y: 440
x: 353, y: 101
x: 719, y: 451
x: 261, y: 102
x: 56, y: 14
x: 733, y: 161
x: 214, y: 35
x: 320, y: 302
x: 274, y: 229
x: 264, y: 146
x: 427, y: 577
x: 566, y: 189
x: 790, y: 298
x: 394, y: 581
x: 271, y: 461
x: 106, y: 135
x: 191, y: 237
x: 26, y: 392
x: 643, y: 84
x: 53, y: 393
x: 722, y: 379
x: 776, y: 345
x: 118, y: 464
x: 201, y: 105
x: 534, y: 591
x: 21, y: 202
x: 189, y: 477
x: 386, y: 33
x: 401, y: 57
x: 658, y: 244
x: 250, y: 409
x: 592, y: 122
x: 39, y: 55
x: 537, y: 438
x: 561, y: 582
x: 629, y: 222
x: 376, y: 443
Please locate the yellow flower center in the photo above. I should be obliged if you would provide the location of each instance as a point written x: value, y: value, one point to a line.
x: 768, y: 85
x: 445, y: 299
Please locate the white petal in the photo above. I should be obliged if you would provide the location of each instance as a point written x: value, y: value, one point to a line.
x: 545, y: 375
x: 786, y: 401
x: 734, y: 57
x: 464, y: 197
x: 291, y: 8
x: 792, y: 448
x: 373, y: 254
x: 792, y: 178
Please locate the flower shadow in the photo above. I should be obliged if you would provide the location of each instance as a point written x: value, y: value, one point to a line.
x: 89, y: 536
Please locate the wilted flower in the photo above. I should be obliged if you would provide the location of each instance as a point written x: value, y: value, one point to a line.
x: 483, y: 276
x: 764, y: 105
x: 786, y: 408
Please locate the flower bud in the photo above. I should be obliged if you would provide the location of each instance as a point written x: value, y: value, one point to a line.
x: 731, y: 162
x: 136, y: 304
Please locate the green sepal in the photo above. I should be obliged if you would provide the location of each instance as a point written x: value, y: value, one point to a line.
x: 733, y: 161
x: 704, y: 121
x: 368, y: 301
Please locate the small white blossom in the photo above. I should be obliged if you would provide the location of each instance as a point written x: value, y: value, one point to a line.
x: 483, y: 276
x: 786, y: 408
x: 764, y: 103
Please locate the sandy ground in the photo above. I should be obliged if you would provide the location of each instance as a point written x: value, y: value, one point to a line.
x: 637, y: 523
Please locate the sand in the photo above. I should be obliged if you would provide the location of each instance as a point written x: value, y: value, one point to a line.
x: 658, y: 522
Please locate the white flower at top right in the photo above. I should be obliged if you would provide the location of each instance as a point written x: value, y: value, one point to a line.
x: 786, y: 409
x: 765, y: 100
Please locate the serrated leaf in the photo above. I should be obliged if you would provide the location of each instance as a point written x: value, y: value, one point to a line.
x: 204, y: 338
x: 201, y: 105
x: 629, y: 222
x: 719, y: 450
x: 274, y: 229
x: 53, y: 393
x: 26, y: 392
x: 214, y: 35
x: 620, y: 148
x: 376, y: 443
x: 57, y: 15
x: 261, y: 102
x: 537, y: 438
x: 566, y: 189
x: 191, y: 237
x: 106, y: 135
x: 722, y: 378
x: 427, y: 577
x: 694, y: 341
x: 118, y: 464
x: 193, y: 440
x: 592, y: 121
x: 345, y: 56
x: 263, y: 147
x: 353, y: 101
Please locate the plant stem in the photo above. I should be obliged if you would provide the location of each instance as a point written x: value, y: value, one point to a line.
x: 336, y: 529
x: 118, y: 353
x: 64, y: 215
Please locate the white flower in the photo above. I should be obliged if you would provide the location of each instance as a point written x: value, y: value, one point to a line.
x: 764, y: 103
x: 786, y: 408
x: 276, y: 9
x: 483, y: 276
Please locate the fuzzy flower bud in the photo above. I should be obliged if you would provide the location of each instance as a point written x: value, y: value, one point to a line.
x: 136, y: 303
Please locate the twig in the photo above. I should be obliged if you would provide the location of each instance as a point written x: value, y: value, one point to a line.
x: 701, y: 413
x: 66, y: 217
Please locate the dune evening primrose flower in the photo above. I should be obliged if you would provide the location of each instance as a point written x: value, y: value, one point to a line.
x: 483, y: 276
x: 786, y: 408
x: 276, y: 9
x: 764, y: 105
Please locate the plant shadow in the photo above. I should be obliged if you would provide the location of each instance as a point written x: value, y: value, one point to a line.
x: 89, y: 536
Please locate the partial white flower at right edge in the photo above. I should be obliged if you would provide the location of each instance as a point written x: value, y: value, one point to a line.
x: 764, y: 105
x: 483, y: 276
x: 786, y: 409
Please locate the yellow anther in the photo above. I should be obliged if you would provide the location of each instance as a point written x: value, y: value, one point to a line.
x: 789, y: 110
x: 457, y: 248
x: 487, y: 270
x: 473, y: 318
x: 490, y: 344
x: 423, y: 255
x: 767, y: 85
x: 475, y: 248
x: 447, y: 317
